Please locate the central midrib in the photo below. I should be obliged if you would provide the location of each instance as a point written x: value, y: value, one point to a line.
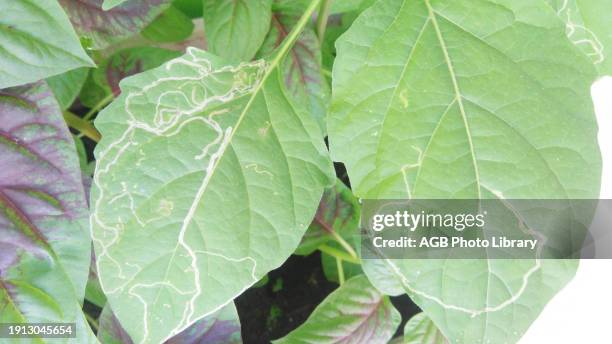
x: 458, y: 96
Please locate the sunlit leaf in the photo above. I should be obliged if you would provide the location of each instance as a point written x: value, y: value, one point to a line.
x: 243, y: 173
x: 29, y: 53
x: 466, y: 99
x: 588, y: 26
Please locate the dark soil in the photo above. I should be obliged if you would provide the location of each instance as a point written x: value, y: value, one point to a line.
x: 291, y: 294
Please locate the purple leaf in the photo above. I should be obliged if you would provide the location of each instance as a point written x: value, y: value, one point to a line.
x: 222, y: 327
x: 338, y: 212
x: 129, y: 62
x: 44, y: 242
x: 302, y: 67
x: 354, y: 313
x: 116, y: 24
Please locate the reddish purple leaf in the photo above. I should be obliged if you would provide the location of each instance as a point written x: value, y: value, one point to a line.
x: 116, y: 24
x: 356, y: 312
x: 44, y: 240
x: 338, y: 211
x: 222, y: 327
x: 302, y: 67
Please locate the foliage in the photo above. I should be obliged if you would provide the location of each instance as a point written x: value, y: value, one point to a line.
x: 355, y: 312
x: 475, y: 104
x: 213, y: 163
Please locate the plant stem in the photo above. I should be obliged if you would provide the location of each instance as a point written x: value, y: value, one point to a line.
x: 334, y: 252
x: 322, y: 19
x: 83, y: 126
x: 293, y: 35
x: 340, y: 270
x: 102, y: 103
x: 93, y: 322
x: 344, y: 244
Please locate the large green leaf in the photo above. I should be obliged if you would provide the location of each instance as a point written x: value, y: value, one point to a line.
x: 27, y: 52
x: 44, y: 243
x: 243, y: 172
x: 302, y: 67
x: 466, y: 99
x: 354, y: 313
x: 103, y: 28
x: 221, y: 327
x: 235, y: 29
x: 588, y: 26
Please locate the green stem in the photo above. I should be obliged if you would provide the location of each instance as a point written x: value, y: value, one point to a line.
x: 92, y: 321
x: 102, y: 103
x: 340, y: 270
x: 293, y: 35
x: 322, y: 19
x: 83, y: 126
x: 344, y: 244
x: 334, y: 252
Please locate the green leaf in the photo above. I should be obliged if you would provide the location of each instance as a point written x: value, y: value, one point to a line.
x: 244, y: 172
x: 338, y: 212
x: 588, y: 26
x: 336, y: 26
x: 170, y: 26
x: 93, y: 291
x: 302, y: 66
x: 262, y: 282
x: 29, y: 53
x: 421, y: 330
x: 446, y: 99
x: 192, y: 8
x: 92, y: 93
x: 67, y: 86
x: 222, y: 327
x: 354, y: 313
x: 103, y: 28
x: 81, y: 153
x: 236, y: 29
x: 330, y: 267
x: 44, y: 245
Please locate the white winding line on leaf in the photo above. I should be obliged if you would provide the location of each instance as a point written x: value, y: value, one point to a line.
x: 525, y: 280
x: 572, y: 28
x: 166, y: 124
